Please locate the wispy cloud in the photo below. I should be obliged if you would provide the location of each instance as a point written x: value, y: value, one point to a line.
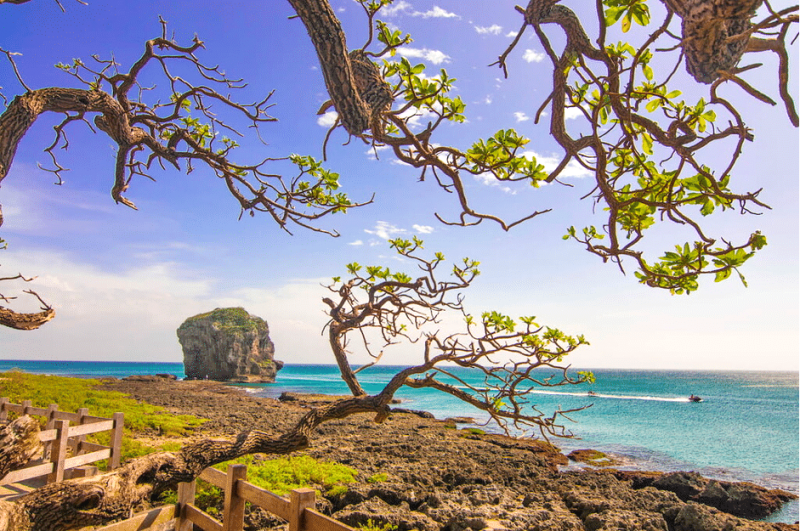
x: 395, y: 9
x: 356, y: 243
x: 512, y: 34
x: 405, y: 8
x: 521, y: 116
x: 434, y: 56
x: 385, y: 230
x: 436, y: 12
x: 422, y: 229
x: 494, y: 29
x: 532, y: 56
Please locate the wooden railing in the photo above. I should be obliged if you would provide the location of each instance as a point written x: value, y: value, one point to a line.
x: 60, y: 440
x: 298, y: 509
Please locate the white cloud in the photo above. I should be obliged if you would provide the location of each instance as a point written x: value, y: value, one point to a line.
x: 422, y: 229
x: 328, y: 119
x: 570, y: 113
x: 532, y: 56
x: 385, y: 230
x: 434, y: 56
x: 512, y: 34
x: 521, y: 116
x: 494, y: 29
x: 356, y: 243
x: 488, y: 99
x: 436, y: 12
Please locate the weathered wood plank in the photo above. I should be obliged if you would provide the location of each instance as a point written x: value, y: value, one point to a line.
x: 196, y: 516
x: 143, y: 521
x: 277, y: 505
x: 80, y: 460
x: 94, y: 427
x: 216, y: 477
x: 319, y: 522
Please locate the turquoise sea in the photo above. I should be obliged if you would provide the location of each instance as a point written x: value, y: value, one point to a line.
x: 745, y: 429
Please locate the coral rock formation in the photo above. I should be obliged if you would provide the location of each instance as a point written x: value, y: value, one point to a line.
x: 228, y: 344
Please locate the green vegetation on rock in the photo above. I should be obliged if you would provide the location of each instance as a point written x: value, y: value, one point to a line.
x: 228, y: 318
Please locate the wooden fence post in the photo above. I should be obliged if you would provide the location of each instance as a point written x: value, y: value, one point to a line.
x: 59, y: 452
x: 299, y: 501
x: 51, y: 416
x: 186, y: 493
x: 51, y: 423
x: 26, y: 405
x: 233, y: 515
x: 3, y: 410
x: 116, y: 441
x: 75, y: 443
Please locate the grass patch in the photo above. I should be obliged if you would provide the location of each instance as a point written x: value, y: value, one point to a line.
x: 72, y: 394
x: 279, y: 475
x: 283, y: 474
x: 380, y: 477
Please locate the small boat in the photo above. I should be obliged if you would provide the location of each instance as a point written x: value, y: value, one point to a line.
x: 592, y: 393
x: 693, y: 398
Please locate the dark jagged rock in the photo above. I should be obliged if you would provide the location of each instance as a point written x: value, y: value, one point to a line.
x: 737, y: 498
x: 228, y: 344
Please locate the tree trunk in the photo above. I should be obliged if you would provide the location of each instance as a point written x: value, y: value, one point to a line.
x: 19, y: 442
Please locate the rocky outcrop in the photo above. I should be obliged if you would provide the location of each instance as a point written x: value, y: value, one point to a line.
x: 228, y: 344
x: 738, y: 498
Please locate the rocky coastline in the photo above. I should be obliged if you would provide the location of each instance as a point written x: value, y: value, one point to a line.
x: 441, y: 477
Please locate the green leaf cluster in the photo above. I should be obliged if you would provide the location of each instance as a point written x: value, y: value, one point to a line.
x: 322, y: 191
x: 426, y: 93
x: 628, y: 11
x: 498, y: 155
x: 391, y: 38
x: 680, y: 269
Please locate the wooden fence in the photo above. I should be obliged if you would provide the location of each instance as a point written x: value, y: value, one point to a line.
x: 298, y: 509
x: 60, y: 441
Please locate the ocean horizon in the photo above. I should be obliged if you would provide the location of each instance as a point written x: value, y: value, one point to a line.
x: 745, y: 429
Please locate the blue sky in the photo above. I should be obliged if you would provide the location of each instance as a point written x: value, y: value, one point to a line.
x: 123, y: 281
